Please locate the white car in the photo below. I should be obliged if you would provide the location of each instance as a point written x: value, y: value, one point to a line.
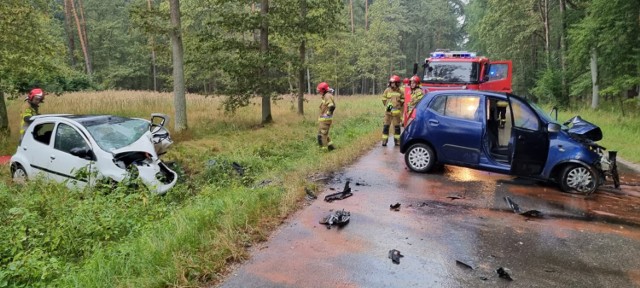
x: 83, y: 149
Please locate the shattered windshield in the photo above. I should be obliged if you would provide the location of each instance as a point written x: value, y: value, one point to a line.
x: 116, y: 132
x: 451, y: 72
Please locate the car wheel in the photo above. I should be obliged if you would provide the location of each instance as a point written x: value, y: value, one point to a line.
x: 18, y: 173
x: 578, y: 178
x: 420, y: 158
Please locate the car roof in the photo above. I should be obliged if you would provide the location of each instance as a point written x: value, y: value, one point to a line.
x: 86, y: 120
x: 477, y: 92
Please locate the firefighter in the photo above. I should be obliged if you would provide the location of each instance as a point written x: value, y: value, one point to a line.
x: 502, y: 112
x: 30, y: 108
x: 416, y: 93
x: 393, y: 101
x: 327, y: 106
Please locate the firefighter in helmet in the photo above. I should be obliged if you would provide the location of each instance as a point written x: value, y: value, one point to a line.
x: 393, y: 101
x: 327, y: 106
x: 30, y: 108
x: 416, y: 93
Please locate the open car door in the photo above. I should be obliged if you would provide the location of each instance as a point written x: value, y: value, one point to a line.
x: 498, y: 77
x: 529, y: 139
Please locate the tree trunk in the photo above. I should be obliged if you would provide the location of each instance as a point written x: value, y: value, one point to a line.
x: 303, y: 52
x: 4, y: 120
x: 366, y: 15
x: 563, y: 48
x: 594, y: 78
x: 179, y: 100
x: 264, y: 50
x: 68, y: 28
x: 83, y: 25
x: 153, y: 56
x: 308, y: 81
x: 353, y: 29
x: 83, y: 43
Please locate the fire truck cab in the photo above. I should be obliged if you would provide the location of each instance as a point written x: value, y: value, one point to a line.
x: 449, y: 70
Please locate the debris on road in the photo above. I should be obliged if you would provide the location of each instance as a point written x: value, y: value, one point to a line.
x: 454, y: 197
x: 504, y: 273
x: 395, y: 256
x: 532, y: 214
x: 310, y: 194
x: 465, y: 265
x: 338, y: 218
x: 395, y: 207
x: 346, y: 192
x: 512, y: 205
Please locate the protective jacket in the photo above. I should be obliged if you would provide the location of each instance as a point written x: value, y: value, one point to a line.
x: 26, y: 112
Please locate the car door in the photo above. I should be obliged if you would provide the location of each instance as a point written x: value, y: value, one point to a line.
x: 530, y: 141
x: 455, y: 128
x: 36, y: 147
x: 65, y: 166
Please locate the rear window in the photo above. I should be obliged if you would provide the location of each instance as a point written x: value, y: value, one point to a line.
x: 42, y: 133
x: 457, y: 106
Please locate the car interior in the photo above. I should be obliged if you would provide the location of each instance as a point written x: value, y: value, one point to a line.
x: 497, y: 137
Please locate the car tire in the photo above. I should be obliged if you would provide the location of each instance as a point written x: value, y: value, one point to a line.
x: 578, y: 178
x: 18, y: 173
x: 420, y: 158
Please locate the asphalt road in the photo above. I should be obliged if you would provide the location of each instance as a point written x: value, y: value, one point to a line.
x: 577, y: 241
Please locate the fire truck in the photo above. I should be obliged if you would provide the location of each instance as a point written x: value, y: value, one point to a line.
x: 454, y: 70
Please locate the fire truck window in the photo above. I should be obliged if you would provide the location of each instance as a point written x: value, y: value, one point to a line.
x: 452, y: 72
x: 498, y: 71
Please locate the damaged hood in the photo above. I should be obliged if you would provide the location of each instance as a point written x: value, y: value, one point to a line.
x: 143, y: 144
x: 583, y: 129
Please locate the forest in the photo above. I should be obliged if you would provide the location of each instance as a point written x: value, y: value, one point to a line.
x: 565, y: 52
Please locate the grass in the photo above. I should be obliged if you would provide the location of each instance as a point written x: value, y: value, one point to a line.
x: 188, y: 236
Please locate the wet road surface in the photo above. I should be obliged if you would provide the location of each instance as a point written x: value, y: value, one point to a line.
x: 578, y: 241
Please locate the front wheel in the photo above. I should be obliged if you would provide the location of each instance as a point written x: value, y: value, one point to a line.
x: 578, y: 178
x: 18, y: 173
x: 420, y: 158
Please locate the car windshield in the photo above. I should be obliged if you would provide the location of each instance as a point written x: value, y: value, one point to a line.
x: 113, y: 133
x: 542, y: 114
x: 451, y: 72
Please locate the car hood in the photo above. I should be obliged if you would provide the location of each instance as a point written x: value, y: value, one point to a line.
x: 143, y: 144
x: 583, y: 129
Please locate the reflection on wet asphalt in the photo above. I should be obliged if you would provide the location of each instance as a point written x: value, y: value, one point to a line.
x: 455, y: 215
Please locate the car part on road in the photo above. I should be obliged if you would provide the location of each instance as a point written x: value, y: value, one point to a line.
x: 395, y: 207
x: 338, y: 218
x: 395, y: 256
x: 512, y: 205
x: 504, y: 273
x: 465, y: 265
x: 346, y: 193
x: 532, y: 214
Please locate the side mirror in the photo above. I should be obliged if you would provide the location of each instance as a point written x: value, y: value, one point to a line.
x: 157, y: 122
x: 83, y: 152
x: 553, y: 127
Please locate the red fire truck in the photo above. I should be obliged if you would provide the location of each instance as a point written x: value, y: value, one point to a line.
x: 453, y: 70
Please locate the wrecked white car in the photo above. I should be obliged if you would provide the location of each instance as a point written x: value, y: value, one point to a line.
x: 84, y: 149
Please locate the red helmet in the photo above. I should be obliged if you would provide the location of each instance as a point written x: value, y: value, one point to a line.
x: 323, y: 87
x: 36, y: 93
x: 416, y: 79
x: 405, y: 81
x: 395, y: 78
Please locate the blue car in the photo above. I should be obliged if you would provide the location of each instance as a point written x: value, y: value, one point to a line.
x: 506, y: 134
